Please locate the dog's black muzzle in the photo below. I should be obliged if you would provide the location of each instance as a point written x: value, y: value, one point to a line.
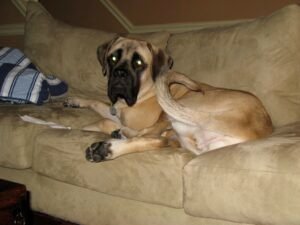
x: 121, y: 84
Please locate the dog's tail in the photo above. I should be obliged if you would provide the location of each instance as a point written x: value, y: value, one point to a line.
x: 170, y: 106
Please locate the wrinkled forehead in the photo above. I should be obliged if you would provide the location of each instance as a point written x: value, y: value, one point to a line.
x: 131, y: 46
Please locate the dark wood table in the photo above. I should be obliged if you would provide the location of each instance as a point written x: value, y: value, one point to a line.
x: 13, y: 203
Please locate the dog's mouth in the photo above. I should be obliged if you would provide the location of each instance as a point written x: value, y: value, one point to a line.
x: 123, y: 83
x: 119, y: 91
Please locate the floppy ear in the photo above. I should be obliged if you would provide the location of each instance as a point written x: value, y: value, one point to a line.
x: 102, y: 54
x: 161, y: 61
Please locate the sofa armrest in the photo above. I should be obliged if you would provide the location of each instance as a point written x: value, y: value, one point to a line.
x: 254, y: 182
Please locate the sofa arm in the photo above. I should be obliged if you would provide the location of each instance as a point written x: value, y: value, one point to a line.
x: 255, y: 182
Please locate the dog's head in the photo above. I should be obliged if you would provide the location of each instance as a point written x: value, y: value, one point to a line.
x: 131, y: 66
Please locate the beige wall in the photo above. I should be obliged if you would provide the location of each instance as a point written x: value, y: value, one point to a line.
x: 92, y: 14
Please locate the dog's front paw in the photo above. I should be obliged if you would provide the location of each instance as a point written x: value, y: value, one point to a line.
x: 98, y: 152
x: 72, y: 102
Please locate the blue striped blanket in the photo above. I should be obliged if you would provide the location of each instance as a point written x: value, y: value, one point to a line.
x: 22, y: 82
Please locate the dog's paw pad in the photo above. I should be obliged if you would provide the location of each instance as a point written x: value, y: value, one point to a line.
x: 116, y: 134
x: 98, y: 152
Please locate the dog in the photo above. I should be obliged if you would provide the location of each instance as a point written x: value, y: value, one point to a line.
x: 207, y: 117
x: 153, y: 107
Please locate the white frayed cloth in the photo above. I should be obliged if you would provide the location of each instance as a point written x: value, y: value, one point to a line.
x: 34, y: 120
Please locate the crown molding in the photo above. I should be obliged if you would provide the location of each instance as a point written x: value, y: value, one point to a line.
x: 20, y: 5
x: 12, y: 29
x: 171, y: 27
x: 124, y: 21
x: 16, y: 28
x: 182, y: 27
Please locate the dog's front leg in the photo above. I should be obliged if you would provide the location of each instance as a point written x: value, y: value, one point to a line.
x: 113, y: 148
x: 97, y: 106
x: 106, y: 126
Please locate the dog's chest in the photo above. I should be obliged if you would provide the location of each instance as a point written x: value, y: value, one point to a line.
x: 142, y: 115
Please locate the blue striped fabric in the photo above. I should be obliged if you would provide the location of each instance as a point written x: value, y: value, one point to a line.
x: 22, y: 82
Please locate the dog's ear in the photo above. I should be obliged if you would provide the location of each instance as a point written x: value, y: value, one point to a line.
x: 161, y: 61
x: 102, y: 54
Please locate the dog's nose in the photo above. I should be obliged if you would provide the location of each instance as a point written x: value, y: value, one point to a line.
x: 120, y: 73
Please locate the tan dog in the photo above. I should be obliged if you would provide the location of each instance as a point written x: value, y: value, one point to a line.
x: 136, y: 121
x: 208, y: 118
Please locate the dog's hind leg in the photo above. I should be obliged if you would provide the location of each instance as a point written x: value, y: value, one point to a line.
x: 113, y: 148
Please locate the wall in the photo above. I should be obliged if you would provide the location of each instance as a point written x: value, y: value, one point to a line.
x: 181, y: 11
x: 9, y: 15
x: 94, y: 14
x: 84, y: 13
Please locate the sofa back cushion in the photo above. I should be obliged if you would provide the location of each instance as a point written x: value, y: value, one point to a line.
x: 70, y: 51
x: 261, y: 56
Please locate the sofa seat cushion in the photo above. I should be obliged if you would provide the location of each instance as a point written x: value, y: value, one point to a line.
x: 254, y: 182
x: 18, y: 137
x: 151, y: 176
x: 260, y: 56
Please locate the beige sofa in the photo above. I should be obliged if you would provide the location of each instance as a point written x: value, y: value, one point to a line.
x: 256, y: 182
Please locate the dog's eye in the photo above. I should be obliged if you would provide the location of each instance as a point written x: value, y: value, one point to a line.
x: 113, y: 59
x: 137, y: 62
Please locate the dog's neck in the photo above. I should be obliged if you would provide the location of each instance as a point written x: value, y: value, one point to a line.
x: 146, y: 93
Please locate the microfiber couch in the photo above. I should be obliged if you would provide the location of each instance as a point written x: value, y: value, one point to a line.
x: 256, y: 182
